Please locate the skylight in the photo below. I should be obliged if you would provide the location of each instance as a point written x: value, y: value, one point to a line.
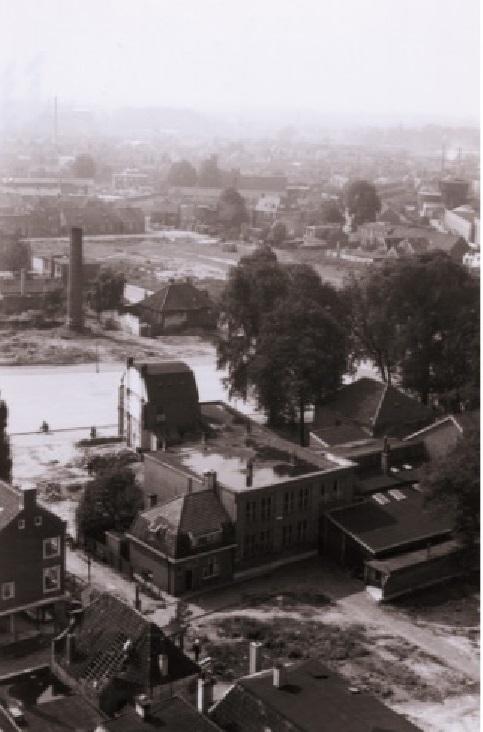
x: 380, y: 498
x: 397, y: 494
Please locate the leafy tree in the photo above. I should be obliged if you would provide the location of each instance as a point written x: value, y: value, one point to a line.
x: 232, y: 211
x: 111, y: 500
x: 301, y: 356
x: 14, y: 254
x: 84, y: 166
x: 418, y: 319
x: 5, y: 458
x: 278, y: 233
x: 107, y: 291
x: 362, y: 200
x: 452, y: 484
x: 182, y: 173
x: 210, y: 174
x: 332, y: 213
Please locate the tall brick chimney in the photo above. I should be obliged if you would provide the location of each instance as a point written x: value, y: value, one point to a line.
x: 75, y: 318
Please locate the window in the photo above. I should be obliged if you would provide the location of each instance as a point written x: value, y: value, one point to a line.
x: 335, y: 487
x: 21, y: 524
x: 286, y: 536
x: 249, y: 545
x: 52, y: 547
x: 322, y: 490
x: 211, y: 568
x: 288, y: 502
x: 8, y: 590
x: 205, y: 539
x: 266, y: 508
x: 250, y: 510
x: 38, y: 521
x: 153, y: 500
x: 265, y: 544
x: 302, y: 532
x: 51, y: 579
x: 303, y: 499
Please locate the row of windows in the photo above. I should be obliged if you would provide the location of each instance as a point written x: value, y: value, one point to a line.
x: 37, y: 522
x: 256, y: 544
x: 294, y: 533
x: 292, y: 501
x: 50, y: 580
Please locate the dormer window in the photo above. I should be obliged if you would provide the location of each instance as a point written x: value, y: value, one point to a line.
x: 21, y: 524
x: 205, y: 539
x: 38, y: 521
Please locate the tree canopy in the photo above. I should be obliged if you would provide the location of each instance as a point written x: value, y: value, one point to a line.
x: 209, y: 173
x: 362, y: 201
x: 14, y: 254
x: 271, y: 313
x: 107, y: 291
x: 5, y: 458
x: 418, y: 320
x: 110, y: 501
x: 452, y: 484
x: 332, y: 213
x: 84, y: 166
x: 182, y: 173
x: 232, y: 210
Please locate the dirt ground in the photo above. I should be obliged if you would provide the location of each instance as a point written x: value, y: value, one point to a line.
x: 294, y: 625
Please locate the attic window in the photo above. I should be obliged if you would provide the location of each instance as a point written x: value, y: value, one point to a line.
x: 380, y: 498
x: 38, y: 521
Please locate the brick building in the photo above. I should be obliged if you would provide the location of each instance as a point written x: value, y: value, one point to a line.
x: 32, y: 557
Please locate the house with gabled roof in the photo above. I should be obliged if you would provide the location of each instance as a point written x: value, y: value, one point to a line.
x: 183, y: 544
x: 111, y: 653
x: 303, y: 697
x: 375, y: 407
x: 177, y: 306
x: 442, y: 436
x: 32, y: 558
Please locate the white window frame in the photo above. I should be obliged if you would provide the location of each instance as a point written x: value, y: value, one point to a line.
x: 38, y: 521
x: 11, y: 593
x: 52, y: 556
x: 46, y: 571
x: 21, y: 523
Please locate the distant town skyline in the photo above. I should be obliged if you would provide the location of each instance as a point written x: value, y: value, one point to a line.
x: 337, y: 60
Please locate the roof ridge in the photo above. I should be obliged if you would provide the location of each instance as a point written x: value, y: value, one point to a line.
x: 378, y: 408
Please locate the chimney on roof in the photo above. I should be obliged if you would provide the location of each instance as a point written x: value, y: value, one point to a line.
x: 190, y: 485
x: 129, y: 362
x: 278, y: 675
x: 22, y: 282
x: 249, y: 478
x: 163, y: 664
x: 254, y: 661
x: 69, y: 647
x: 386, y: 457
x: 209, y: 480
x: 142, y: 706
x: 204, y: 697
x: 52, y: 266
x: 29, y: 499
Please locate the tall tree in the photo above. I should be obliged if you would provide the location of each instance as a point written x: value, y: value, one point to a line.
x: 452, y: 484
x: 232, y: 210
x: 301, y: 356
x: 182, y: 173
x: 332, y: 213
x: 362, y: 201
x: 5, y: 458
x: 110, y: 501
x: 107, y: 291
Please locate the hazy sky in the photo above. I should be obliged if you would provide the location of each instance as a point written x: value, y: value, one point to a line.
x: 349, y: 58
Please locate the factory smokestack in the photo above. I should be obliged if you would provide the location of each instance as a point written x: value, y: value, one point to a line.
x: 75, y: 318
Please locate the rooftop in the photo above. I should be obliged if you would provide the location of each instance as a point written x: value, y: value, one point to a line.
x: 171, y: 715
x: 47, y: 705
x: 390, y: 519
x: 311, y: 699
x: 232, y: 442
x: 11, y: 503
x: 410, y: 559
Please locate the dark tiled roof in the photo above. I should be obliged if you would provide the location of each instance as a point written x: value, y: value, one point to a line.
x: 312, y: 699
x: 156, y: 368
x: 382, y: 526
x: 10, y: 503
x: 174, y: 297
x: 339, y: 434
x: 106, y: 625
x: 374, y: 404
x: 172, y: 715
x: 198, y: 514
